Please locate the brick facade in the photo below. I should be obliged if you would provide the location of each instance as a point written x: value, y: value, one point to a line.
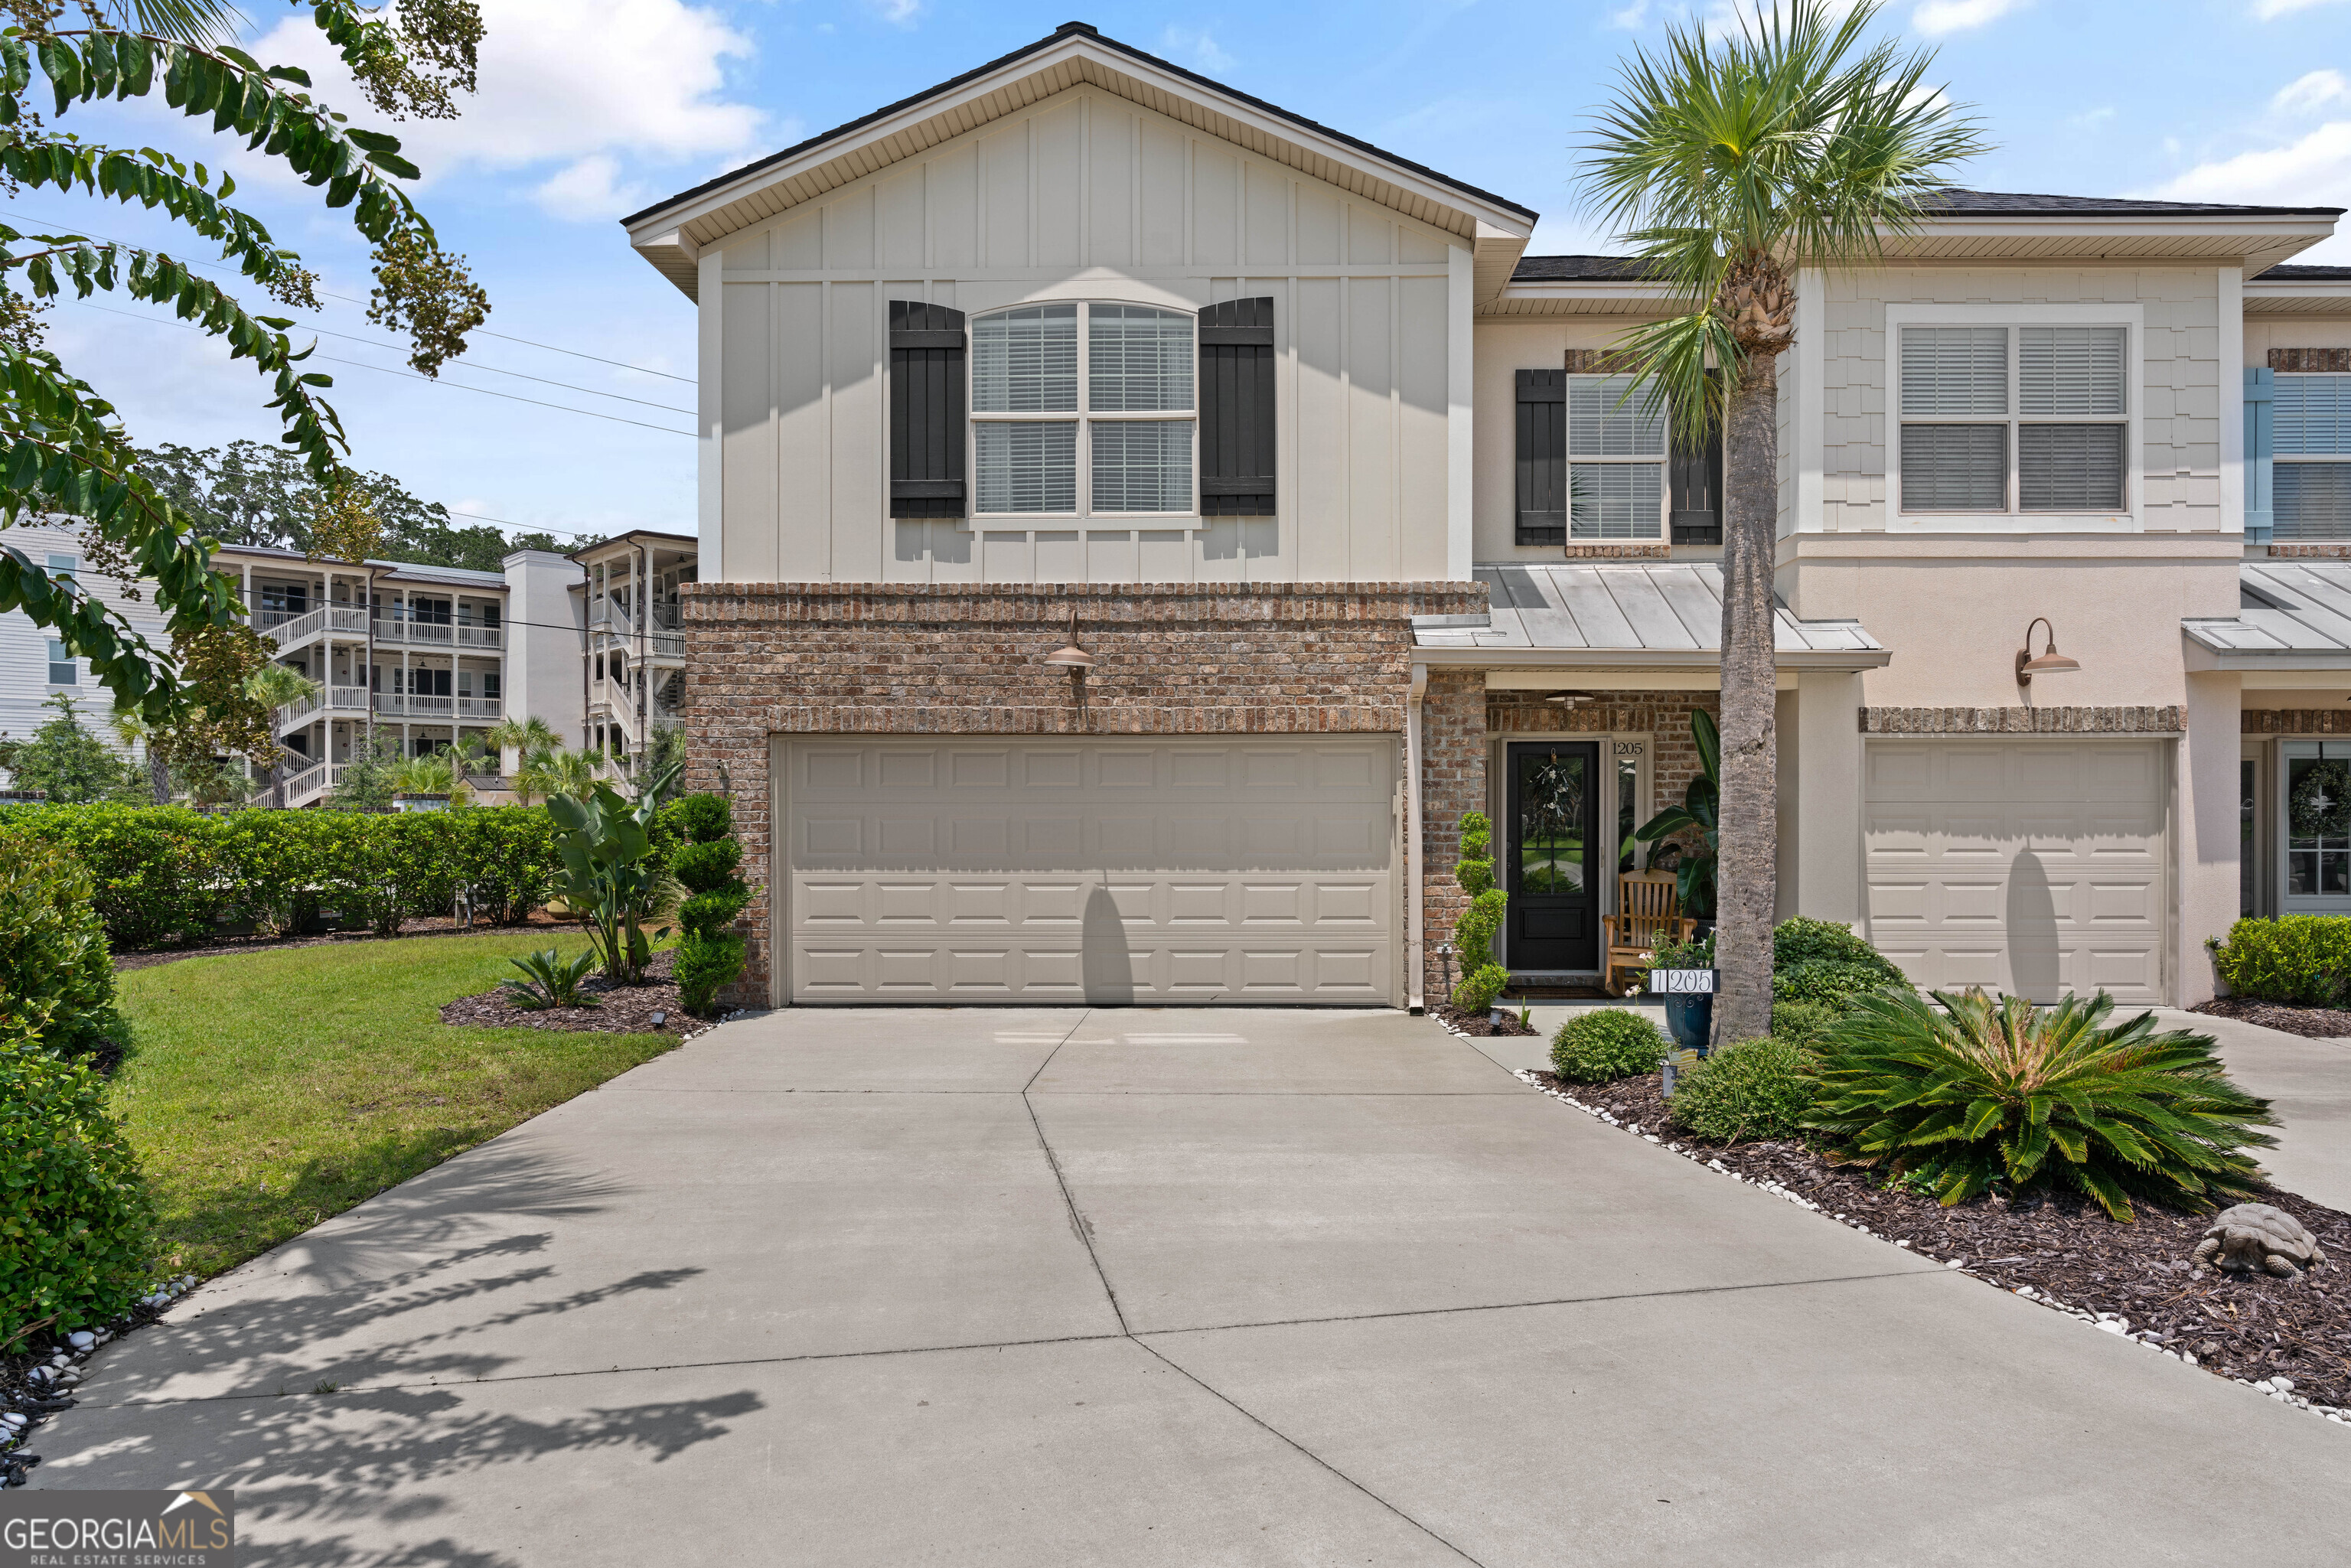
x: 1452, y: 782
x: 2293, y: 721
x: 2337, y: 361
x: 801, y: 658
x: 2024, y: 720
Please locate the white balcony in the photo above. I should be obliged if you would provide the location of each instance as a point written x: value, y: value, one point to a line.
x: 292, y: 630
x: 325, y: 700
x: 412, y: 705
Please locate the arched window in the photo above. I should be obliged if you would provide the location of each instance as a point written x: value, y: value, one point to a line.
x: 1081, y: 410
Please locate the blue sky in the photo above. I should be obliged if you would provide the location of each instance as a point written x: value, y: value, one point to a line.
x: 590, y: 109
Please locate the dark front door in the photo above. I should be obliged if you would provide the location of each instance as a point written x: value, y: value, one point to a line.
x: 1552, y: 856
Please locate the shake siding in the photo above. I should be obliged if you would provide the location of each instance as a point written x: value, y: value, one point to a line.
x: 2180, y: 407
x: 1086, y: 195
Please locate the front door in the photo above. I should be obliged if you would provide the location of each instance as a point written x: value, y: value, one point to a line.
x: 1552, y: 858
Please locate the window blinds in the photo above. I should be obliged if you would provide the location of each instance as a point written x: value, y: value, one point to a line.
x: 2066, y: 467
x: 1615, y: 500
x: 2312, y: 415
x: 2313, y: 500
x: 1027, y: 468
x: 1603, y: 421
x: 1138, y: 360
x: 2069, y: 370
x: 1026, y: 362
x: 1954, y: 370
x: 1954, y: 467
x: 1143, y: 465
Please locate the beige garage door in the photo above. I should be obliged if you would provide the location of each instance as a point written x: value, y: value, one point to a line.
x: 2032, y: 867
x: 1188, y: 868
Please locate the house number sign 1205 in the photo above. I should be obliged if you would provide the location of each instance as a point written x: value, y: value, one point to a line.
x: 1628, y: 748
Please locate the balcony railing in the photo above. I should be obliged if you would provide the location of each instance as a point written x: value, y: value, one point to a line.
x: 331, y: 700
x: 290, y: 630
x: 416, y: 704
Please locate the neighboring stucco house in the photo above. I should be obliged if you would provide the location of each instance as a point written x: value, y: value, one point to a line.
x: 1287, y: 422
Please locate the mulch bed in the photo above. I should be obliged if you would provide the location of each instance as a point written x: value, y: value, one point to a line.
x: 2312, y: 1023
x: 436, y: 926
x: 650, y: 1008
x: 2063, y: 1249
x: 1478, y: 1024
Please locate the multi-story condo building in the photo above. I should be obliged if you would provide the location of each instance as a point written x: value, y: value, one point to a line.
x: 427, y: 656
x: 1136, y: 526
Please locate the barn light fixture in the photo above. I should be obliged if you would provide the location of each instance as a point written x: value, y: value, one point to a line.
x: 2050, y: 661
x: 1568, y: 699
x: 1069, y: 656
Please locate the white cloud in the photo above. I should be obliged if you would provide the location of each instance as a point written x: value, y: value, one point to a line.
x: 1194, y: 47
x: 588, y: 190
x: 2091, y: 119
x: 586, y: 82
x: 2269, y: 10
x: 2306, y: 94
x: 1937, y: 17
x: 1631, y: 16
x: 2313, y: 171
x: 897, y: 12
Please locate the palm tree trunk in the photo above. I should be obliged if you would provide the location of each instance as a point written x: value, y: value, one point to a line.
x: 1747, y: 886
x: 159, y: 776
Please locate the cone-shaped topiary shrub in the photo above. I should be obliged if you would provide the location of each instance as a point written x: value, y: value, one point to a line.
x: 1482, y: 979
x: 710, y: 953
x: 1605, y: 1044
x: 1966, y: 1093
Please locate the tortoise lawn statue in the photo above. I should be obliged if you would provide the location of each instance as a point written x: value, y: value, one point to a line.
x: 2254, y: 1236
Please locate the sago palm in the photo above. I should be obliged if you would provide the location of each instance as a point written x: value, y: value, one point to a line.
x: 1968, y: 1091
x: 1728, y: 163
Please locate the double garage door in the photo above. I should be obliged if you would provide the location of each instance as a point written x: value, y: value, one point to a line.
x: 1180, y: 869
x: 2033, y: 868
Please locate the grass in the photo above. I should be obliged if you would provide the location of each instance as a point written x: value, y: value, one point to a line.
x: 266, y: 1091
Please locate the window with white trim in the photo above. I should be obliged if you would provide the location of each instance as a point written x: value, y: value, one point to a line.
x: 65, y: 670
x: 1615, y: 460
x: 2014, y: 419
x: 1083, y: 409
x: 2310, y: 456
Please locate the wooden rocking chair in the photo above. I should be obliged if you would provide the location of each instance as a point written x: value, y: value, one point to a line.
x: 1648, y: 912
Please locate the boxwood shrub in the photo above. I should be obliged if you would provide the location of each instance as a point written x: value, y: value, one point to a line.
x: 77, y: 1226
x: 1751, y: 1089
x: 54, y: 961
x: 2301, y: 959
x: 1608, y: 1044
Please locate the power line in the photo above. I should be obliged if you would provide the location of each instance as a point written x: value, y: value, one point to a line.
x: 412, y: 375
x: 493, y: 370
x: 349, y: 299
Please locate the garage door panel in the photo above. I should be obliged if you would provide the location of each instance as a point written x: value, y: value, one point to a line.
x: 2026, y: 868
x: 1182, y: 869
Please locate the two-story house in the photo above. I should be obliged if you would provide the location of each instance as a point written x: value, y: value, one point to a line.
x: 1138, y: 522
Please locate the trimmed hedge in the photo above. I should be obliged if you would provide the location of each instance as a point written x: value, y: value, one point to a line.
x: 165, y: 874
x: 2304, y: 961
x: 1750, y: 1089
x: 77, y: 1226
x: 1608, y: 1044
x: 54, y: 962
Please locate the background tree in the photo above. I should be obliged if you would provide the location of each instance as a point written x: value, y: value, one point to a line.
x: 222, y: 715
x: 248, y: 493
x: 273, y: 685
x: 62, y: 448
x: 130, y: 726
x: 1727, y: 163
x: 68, y: 758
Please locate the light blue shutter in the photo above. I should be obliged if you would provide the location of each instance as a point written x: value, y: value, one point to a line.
x: 2261, y: 407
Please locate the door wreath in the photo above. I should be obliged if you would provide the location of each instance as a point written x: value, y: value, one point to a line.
x: 2319, y: 804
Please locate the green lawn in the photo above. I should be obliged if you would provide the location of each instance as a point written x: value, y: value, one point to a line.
x: 266, y: 1092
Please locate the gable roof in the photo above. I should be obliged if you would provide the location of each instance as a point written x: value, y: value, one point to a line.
x: 671, y: 233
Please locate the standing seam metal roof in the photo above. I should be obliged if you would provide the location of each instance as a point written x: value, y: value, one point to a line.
x: 1663, y: 608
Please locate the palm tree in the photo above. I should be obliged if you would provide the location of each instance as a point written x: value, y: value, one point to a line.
x: 273, y: 687
x: 434, y: 774
x: 555, y: 771
x: 522, y: 736
x: 1727, y: 163
x: 134, y: 730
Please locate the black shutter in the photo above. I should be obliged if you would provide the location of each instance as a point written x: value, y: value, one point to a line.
x: 1236, y: 424
x: 1542, y: 457
x: 1695, y: 476
x: 927, y: 399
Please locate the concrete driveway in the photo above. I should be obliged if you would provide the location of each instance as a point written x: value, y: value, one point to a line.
x: 1152, y: 1288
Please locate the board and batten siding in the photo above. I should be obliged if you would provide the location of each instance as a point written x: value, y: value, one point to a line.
x: 1085, y: 196
x: 2179, y: 414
